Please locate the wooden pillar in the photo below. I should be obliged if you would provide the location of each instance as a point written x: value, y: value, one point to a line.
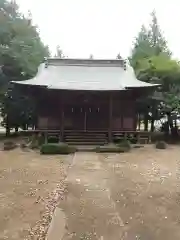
x: 62, y: 121
x: 110, y: 118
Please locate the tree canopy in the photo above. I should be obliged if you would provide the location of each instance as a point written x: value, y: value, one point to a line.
x: 21, y: 52
x: 152, y: 61
x: 149, y: 42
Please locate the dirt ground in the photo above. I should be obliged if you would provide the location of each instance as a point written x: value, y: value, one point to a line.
x: 124, y: 196
x: 28, y: 184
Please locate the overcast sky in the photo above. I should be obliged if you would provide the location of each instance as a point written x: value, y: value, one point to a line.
x: 101, y: 27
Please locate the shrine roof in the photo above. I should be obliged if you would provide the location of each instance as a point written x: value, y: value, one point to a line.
x: 86, y: 74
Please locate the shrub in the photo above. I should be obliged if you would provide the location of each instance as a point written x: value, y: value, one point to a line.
x: 60, y: 148
x: 111, y: 149
x: 161, y: 145
x: 9, y: 145
x: 117, y: 140
x: 125, y: 145
x: 53, y: 139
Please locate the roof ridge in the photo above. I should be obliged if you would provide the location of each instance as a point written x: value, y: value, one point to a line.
x: 85, y: 62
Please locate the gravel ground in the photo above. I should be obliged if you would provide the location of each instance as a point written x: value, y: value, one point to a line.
x: 31, y: 185
x: 124, y: 196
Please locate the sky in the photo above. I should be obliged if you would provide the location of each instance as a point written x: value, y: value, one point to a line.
x: 103, y: 28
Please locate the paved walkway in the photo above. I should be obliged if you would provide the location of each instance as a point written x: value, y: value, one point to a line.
x: 90, y: 211
x: 130, y: 196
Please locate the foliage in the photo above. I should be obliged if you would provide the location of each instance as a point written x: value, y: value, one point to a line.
x: 161, y: 145
x: 149, y: 42
x: 53, y: 148
x: 112, y: 148
x: 53, y: 139
x: 21, y: 52
x: 151, y: 59
x: 125, y: 144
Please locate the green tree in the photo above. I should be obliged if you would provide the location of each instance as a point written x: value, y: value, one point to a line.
x: 149, y: 42
x: 165, y: 71
x: 151, y: 59
x: 21, y: 52
x: 156, y: 38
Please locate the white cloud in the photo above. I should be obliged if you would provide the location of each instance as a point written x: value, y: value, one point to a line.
x: 100, y: 27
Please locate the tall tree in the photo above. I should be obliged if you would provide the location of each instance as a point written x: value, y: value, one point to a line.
x: 141, y: 47
x: 151, y: 59
x: 149, y: 42
x: 21, y: 52
x: 157, y: 40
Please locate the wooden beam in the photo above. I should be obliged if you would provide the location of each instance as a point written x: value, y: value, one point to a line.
x: 110, y: 118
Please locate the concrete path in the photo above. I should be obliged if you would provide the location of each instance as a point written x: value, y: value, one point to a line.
x: 121, y: 197
x: 89, y: 209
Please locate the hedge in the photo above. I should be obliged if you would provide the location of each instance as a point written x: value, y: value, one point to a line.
x: 59, y: 148
x: 111, y: 149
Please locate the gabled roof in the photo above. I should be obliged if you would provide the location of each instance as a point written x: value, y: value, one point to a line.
x: 85, y: 74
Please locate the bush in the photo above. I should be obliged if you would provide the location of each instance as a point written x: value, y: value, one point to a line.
x: 117, y: 140
x: 9, y: 145
x: 125, y: 145
x: 161, y: 145
x: 112, y: 149
x: 60, y: 148
x: 53, y: 139
x: 108, y: 150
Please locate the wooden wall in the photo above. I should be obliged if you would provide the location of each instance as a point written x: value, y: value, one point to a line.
x: 80, y: 110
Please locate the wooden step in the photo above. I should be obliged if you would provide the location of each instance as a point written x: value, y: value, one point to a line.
x: 85, y: 135
x: 85, y: 138
x: 86, y: 143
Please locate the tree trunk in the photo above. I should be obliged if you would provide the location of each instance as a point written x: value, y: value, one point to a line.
x: 175, y: 123
x: 146, y: 122
x: 152, y: 125
x: 7, y: 127
x: 139, y: 122
x: 7, y: 130
x: 24, y: 127
x: 170, y: 123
